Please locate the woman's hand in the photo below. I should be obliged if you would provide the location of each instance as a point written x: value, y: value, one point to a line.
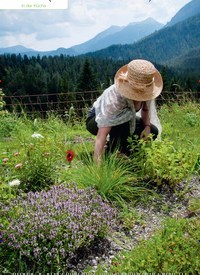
x: 146, y: 132
x: 146, y: 121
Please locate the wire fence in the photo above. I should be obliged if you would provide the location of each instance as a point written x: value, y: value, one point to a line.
x: 61, y: 103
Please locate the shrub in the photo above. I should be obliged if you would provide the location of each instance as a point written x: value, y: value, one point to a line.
x: 191, y: 119
x: 35, y: 160
x: 38, y: 169
x: 45, y: 229
x: 34, y: 164
x: 161, y: 163
x: 2, y: 102
x: 174, y: 250
x: 7, y: 124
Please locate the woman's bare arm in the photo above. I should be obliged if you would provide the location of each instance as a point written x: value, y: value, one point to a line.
x: 146, y: 121
x: 100, y: 143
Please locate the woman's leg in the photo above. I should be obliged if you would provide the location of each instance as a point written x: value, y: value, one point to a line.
x: 120, y: 133
x: 118, y: 138
x: 91, y: 125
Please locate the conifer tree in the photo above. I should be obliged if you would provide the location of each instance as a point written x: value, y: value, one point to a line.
x: 86, y: 84
x: 87, y: 80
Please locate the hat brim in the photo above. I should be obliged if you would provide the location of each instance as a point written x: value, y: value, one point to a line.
x: 135, y: 93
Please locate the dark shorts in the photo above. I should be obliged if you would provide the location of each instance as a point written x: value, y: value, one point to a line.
x: 120, y: 133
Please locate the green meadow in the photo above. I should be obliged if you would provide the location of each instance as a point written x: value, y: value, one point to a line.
x: 56, y: 202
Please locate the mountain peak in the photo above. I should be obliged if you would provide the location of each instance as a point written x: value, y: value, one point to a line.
x: 151, y: 20
x: 119, y: 35
x: 15, y: 49
x: 148, y: 20
x: 189, y: 10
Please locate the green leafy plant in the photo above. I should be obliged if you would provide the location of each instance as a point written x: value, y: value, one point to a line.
x: 38, y: 170
x: 37, y: 163
x: 194, y: 205
x: 197, y: 165
x: 7, y: 124
x: 191, y: 119
x: 8, y: 190
x: 128, y: 217
x: 161, y: 162
x: 180, y: 124
x: 2, y: 102
x: 174, y: 249
x: 34, y: 164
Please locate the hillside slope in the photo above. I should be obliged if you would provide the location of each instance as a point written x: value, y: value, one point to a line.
x: 160, y: 47
x: 189, y: 10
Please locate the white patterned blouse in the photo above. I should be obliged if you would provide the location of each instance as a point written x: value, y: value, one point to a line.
x: 113, y: 109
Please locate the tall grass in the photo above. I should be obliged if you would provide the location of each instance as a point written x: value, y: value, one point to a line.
x: 113, y: 178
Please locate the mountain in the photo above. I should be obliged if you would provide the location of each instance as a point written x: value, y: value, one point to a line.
x: 113, y: 35
x: 189, y: 10
x: 119, y: 35
x: 59, y: 51
x: 15, y: 50
x: 160, y: 47
x: 177, y: 40
x: 190, y: 60
x: 95, y: 43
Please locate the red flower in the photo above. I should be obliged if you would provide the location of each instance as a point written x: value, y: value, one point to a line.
x: 1, y: 80
x: 70, y: 155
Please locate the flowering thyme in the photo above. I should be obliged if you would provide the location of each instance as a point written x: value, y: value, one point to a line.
x: 51, y: 225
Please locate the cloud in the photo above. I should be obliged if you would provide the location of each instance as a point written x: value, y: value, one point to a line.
x: 27, y: 22
x: 50, y: 29
x: 80, y: 14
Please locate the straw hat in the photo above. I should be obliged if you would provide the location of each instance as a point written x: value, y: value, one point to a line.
x: 139, y: 80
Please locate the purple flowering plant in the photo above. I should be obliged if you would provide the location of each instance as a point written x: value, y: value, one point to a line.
x: 47, y: 228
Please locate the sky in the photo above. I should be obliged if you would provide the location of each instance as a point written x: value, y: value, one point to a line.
x: 45, y: 30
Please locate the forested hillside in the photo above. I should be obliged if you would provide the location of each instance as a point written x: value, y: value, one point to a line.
x: 160, y: 47
x: 23, y: 75
x: 60, y: 74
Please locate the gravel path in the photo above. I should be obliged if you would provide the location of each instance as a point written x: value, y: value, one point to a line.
x: 103, y: 251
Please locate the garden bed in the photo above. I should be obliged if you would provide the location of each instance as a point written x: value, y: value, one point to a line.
x: 148, y: 192
x: 149, y: 221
